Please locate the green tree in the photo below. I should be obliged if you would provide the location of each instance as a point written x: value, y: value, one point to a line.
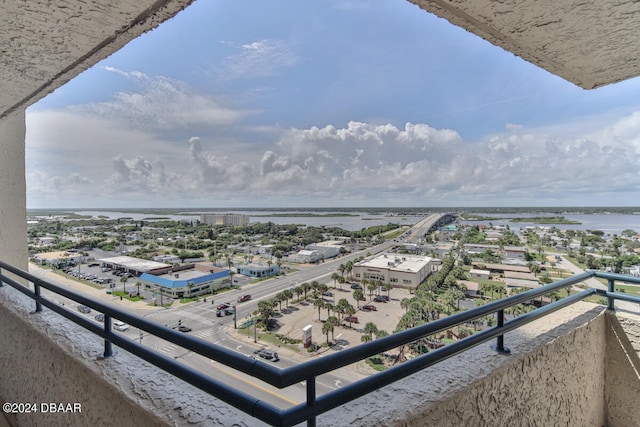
x: 318, y: 302
x: 358, y: 296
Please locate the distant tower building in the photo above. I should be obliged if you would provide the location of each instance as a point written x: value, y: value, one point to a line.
x: 225, y: 219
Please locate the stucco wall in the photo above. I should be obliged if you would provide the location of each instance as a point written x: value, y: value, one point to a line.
x: 622, y: 387
x: 13, y: 203
x: 46, y: 358
x: 554, y: 376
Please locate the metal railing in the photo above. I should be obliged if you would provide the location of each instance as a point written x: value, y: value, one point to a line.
x: 309, y: 371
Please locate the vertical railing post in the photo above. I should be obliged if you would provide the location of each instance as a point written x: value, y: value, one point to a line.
x: 108, y: 351
x: 311, y: 399
x: 1, y: 284
x: 499, y: 347
x: 610, y: 300
x: 36, y: 290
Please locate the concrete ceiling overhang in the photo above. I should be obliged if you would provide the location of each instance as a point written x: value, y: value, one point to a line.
x: 46, y: 43
x: 589, y: 43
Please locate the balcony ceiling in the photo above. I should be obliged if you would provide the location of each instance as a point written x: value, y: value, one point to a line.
x: 45, y: 43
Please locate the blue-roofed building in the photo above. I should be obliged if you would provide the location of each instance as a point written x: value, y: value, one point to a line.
x: 188, y: 283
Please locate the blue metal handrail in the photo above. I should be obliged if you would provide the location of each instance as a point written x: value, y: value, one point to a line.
x: 308, y: 371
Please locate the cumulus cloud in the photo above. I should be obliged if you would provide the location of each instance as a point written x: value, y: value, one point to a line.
x: 372, y: 164
x: 258, y: 59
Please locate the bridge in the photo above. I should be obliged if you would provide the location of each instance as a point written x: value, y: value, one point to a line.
x: 427, y: 225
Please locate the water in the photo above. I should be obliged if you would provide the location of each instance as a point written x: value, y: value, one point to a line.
x: 357, y: 220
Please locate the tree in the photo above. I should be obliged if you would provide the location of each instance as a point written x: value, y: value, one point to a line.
x: 335, y: 277
x: 350, y: 311
x: 298, y: 290
x: 358, y: 295
x: 370, y: 328
x: 329, y: 307
x: 326, y: 328
x: 124, y: 280
x: 318, y: 302
x: 333, y: 321
x: 279, y: 298
x: 404, y: 303
x: 365, y: 338
x: 189, y: 288
x: 266, y: 310
x: 389, y: 286
x: 288, y: 294
x: 371, y: 287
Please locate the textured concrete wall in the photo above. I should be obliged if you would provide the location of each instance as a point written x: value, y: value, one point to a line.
x: 46, y: 358
x: 554, y: 376
x: 13, y: 190
x: 622, y: 388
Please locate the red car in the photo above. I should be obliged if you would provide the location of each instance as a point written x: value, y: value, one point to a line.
x: 351, y: 319
x: 369, y: 307
x: 223, y: 306
x: 244, y: 298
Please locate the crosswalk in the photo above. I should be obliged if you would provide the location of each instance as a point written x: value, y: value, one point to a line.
x: 168, y: 348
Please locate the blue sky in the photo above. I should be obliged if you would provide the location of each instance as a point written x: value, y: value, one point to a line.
x: 333, y: 103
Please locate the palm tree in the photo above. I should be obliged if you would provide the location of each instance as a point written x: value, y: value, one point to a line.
x: 358, y: 295
x: 329, y: 308
x: 189, y: 288
x: 389, y: 286
x: 124, y: 280
x: 279, y: 298
x: 288, y: 294
x: 318, y: 302
x: 298, y: 290
x: 370, y: 328
x: 326, y: 328
x: 333, y: 321
x: 371, y: 287
x: 138, y: 284
x: 365, y: 338
x: 335, y: 277
x: 350, y: 311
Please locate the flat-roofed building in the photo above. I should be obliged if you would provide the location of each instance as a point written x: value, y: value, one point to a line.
x: 258, y: 270
x: 135, y: 266
x: 58, y: 258
x: 402, y: 271
x: 187, y: 283
x: 225, y: 219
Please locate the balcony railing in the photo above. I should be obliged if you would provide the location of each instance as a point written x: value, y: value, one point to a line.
x: 315, y: 405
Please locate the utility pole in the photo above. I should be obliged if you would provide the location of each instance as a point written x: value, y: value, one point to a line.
x: 235, y: 317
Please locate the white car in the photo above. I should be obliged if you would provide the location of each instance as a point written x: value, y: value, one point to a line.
x: 121, y: 326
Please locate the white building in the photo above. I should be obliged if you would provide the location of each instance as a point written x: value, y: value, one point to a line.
x: 225, y: 219
x: 402, y: 271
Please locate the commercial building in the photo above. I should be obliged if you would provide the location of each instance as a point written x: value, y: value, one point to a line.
x: 258, y: 270
x: 187, y: 283
x: 225, y: 219
x: 405, y: 271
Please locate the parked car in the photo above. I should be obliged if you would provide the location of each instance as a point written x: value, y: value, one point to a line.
x: 121, y: 326
x: 183, y: 328
x: 327, y: 294
x: 244, y: 298
x: 267, y: 354
x: 369, y: 307
x: 351, y: 319
x: 84, y: 309
x: 100, y: 317
x: 223, y: 306
x: 356, y: 286
x: 381, y: 298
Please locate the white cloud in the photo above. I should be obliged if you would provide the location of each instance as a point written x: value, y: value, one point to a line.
x: 161, y: 103
x: 360, y: 163
x: 260, y: 58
